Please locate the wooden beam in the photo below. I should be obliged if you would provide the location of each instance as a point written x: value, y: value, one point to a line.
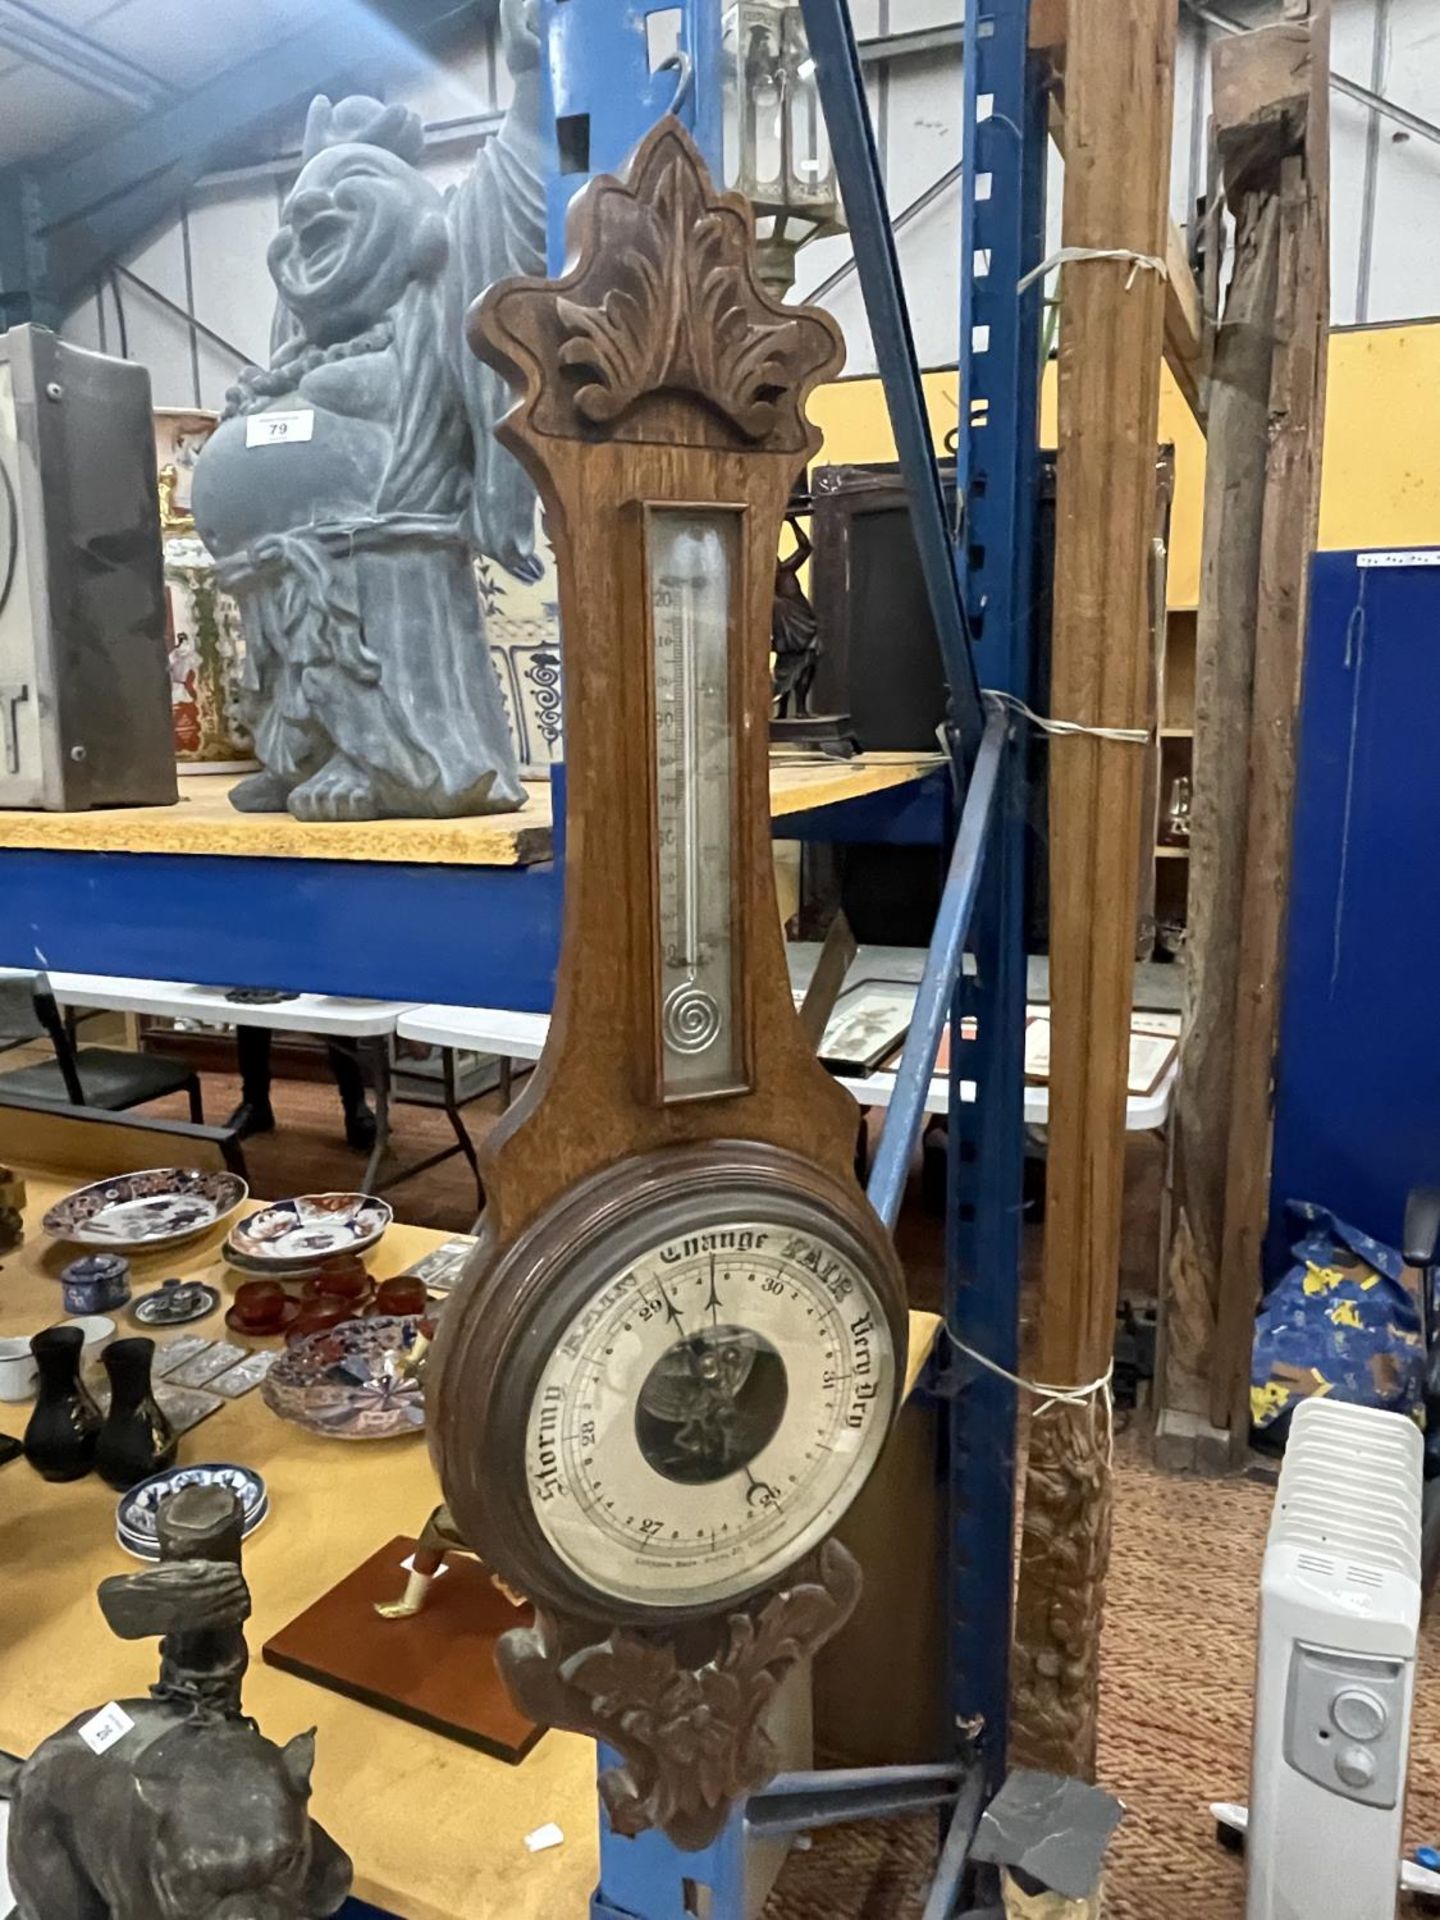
x: 1184, y: 323
x: 1048, y: 24
x: 1261, y: 511
x: 1295, y: 431
x: 1119, y: 104
x: 1185, y: 340
x: 1224, y: 675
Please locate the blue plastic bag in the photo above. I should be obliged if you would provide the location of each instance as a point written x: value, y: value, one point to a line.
x: 1344, y: 1321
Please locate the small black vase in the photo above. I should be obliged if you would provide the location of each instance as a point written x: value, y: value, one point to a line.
x: 136, y: 1439
x: 60, y: 1439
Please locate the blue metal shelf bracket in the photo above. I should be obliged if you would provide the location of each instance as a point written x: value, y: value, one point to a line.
x: 847, y: 120
x: 609, y: 88
x: 942, y: 962
x: 1002, y: 236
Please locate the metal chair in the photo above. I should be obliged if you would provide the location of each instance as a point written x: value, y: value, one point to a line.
x: 107, y: 1078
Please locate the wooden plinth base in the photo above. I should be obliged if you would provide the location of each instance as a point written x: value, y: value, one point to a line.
x: 436, y: 1669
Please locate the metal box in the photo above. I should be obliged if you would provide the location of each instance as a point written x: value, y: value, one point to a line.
x: 84, y: 680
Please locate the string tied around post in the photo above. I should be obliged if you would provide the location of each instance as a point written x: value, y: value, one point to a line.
x: 1133, y: 736
x: 1098, y: 1393
x: 1066, y: 256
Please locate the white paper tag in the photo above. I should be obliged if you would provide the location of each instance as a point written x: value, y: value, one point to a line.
x: 104, y: 1728
x: 547, y: 1836
x: 280, y: 428
x: 408, y: 1566
x: 1400, y: 557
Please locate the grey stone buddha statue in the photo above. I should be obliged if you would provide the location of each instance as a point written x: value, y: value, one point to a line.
x: 352, y: 482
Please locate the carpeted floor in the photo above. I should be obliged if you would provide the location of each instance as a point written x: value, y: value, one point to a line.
x: 1179, y: 1625
x: 1177, y: 1669
x: 307, y: 1152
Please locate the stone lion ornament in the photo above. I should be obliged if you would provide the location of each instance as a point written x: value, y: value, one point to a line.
x: 352, y: 482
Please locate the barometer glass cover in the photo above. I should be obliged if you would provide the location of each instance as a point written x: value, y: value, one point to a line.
x: 691, y: 565
x: 706, y: 1415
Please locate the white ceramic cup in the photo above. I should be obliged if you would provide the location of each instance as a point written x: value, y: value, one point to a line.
x: 99, y: 1331
x: 18, y: 1372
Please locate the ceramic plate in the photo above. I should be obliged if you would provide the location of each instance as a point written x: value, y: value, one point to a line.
x: 135, y: 1517
x: 349, y: 1381
x: 139, y: 1212
x: 287, y: 1269
x: 313, y: 1227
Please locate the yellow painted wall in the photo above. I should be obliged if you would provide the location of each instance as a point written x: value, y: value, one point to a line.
x: 1381, y: 483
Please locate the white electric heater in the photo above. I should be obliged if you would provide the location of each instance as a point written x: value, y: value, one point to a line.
x: 1339, y: 1617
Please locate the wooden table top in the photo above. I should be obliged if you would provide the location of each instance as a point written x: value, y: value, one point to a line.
x: 435, y: 1829
x: 205, y: 822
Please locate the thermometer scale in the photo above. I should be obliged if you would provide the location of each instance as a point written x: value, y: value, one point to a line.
x: 690, y: 557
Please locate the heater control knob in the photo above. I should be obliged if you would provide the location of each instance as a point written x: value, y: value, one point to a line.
x: 1359, y: 1714
x: 1355, y: 1766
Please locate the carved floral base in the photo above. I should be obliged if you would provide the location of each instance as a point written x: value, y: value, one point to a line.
x: 1064, y: 1558
x: 686, y: 1707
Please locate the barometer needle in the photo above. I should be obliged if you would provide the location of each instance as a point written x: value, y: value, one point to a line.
x: 713, y: 1303
x: 768, y: 1496
x: 670, y: 1308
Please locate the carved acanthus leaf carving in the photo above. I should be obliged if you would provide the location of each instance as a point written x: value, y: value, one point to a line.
x: 663, y: 300
x: 692, y: 1735
x: 683, y: 312
x: 1064, y: 1558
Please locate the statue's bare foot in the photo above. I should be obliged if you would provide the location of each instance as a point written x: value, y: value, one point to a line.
x: 339, y: 791
x: 404, y: 1609
x: 423, y: 1569
x: 262, y: 792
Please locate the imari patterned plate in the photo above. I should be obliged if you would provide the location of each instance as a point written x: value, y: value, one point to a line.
x: 310, y: 1228
x: 351, y: 1381
x: 140, y: 1212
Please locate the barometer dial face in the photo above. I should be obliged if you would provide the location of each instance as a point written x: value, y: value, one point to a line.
x: 709, y: 1411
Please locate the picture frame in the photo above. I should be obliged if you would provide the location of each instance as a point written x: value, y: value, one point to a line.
x: 868, y: 1022
x: 1151, y: 1055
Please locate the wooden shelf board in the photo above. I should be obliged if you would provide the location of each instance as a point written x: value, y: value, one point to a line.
x: 204, y: 822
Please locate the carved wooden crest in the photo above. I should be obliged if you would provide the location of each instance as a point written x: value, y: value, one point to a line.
x: 663, y: 303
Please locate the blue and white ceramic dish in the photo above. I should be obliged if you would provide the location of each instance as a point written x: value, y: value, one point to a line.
x: 174, y: 1303
x: 311, y: 1227
x: 350, y: 1381
x: 143, y: 1211
x: 136, y: 1516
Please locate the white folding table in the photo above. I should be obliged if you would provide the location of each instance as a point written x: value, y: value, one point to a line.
x: 369, y: 1024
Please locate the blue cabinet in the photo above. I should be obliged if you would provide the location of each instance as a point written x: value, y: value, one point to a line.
x: 1357, y: 1118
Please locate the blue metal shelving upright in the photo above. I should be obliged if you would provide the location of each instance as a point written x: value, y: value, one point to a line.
x: 1001, y: 239
x: 978, y: 575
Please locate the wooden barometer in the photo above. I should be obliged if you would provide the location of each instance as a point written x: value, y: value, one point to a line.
x: 681, y: 1341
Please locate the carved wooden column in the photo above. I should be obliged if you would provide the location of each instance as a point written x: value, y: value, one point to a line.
x: 1119, y: 86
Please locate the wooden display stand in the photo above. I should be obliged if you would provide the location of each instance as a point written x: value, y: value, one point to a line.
x: 436, y: 1669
